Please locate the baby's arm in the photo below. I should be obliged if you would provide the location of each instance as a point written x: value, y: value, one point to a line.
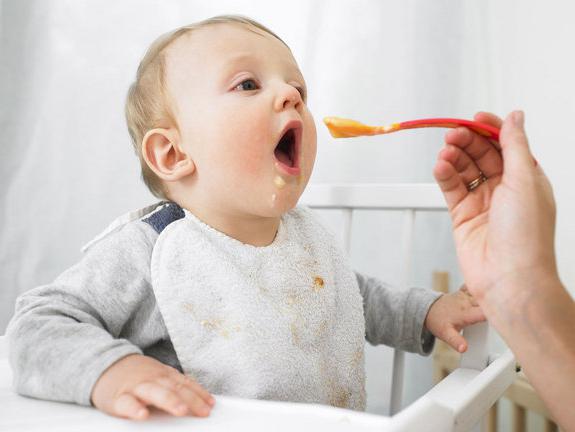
x: 64, y: 335
x: 396, y: 317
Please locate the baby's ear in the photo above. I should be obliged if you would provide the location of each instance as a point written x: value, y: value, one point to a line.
x: 164, y: 155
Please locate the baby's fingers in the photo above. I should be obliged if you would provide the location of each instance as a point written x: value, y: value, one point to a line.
x: 128, y: 406
x: 475, y: 315
x: 181, y: 379
x: 198, y: 400
x: 155, y: 394
x: 197, y: 406
x: 454, y: 339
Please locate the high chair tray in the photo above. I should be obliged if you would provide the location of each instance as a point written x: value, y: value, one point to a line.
x: 455, y: 404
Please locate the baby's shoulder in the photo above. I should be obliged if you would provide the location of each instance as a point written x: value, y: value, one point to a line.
x: 136, y: 230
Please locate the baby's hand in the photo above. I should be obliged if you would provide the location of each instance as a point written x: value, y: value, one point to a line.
x: 135, y: 382
x: 451, y: 313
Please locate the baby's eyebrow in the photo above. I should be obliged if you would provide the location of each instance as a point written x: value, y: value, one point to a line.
x: 247, y: 58
x: 240, y: 58
x: 233, y: 62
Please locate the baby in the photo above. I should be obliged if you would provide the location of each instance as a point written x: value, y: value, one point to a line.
x: 224, y: 287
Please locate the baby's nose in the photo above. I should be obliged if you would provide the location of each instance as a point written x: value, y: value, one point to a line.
x: 288, y: 97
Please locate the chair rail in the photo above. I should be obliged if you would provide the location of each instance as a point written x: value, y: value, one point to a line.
x: 360, y: 196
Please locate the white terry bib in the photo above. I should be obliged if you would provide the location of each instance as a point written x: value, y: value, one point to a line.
x: 281, y: 322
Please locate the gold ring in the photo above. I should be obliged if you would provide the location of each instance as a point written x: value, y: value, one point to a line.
x: 474, y: 184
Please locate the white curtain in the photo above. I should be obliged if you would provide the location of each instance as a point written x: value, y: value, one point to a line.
x: 67, y: 165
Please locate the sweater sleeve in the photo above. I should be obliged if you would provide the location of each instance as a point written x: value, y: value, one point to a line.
x: 64, y: 335
x: 396, y: 317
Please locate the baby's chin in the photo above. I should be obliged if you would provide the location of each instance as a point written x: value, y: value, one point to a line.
x: 279, y: 202
x: 272, y: 196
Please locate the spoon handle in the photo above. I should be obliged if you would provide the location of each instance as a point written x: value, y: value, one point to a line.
x: 484, y: 129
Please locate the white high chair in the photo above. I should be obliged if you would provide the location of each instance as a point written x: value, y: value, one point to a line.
x: 457, y: 403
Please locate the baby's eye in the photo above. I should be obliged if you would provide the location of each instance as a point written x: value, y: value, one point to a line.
x: 247, y: 85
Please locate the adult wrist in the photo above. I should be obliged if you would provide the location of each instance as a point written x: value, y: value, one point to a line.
x: 513, y: 295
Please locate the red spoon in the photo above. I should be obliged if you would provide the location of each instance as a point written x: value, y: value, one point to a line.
x: 345, y: 128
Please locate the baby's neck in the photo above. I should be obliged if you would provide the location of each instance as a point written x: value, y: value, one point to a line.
x: 248, y: 229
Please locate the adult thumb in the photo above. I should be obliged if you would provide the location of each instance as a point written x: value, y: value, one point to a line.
x: 514, y: 144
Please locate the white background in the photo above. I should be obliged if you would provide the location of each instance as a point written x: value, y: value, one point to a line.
x: 67, y: 167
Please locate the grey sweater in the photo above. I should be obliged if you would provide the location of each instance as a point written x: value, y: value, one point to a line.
x: 64, y: 335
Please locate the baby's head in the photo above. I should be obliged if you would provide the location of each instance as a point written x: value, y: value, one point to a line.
x: 218, y: 118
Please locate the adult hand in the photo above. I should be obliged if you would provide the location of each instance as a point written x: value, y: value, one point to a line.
x: 504, y: 228
x: 504, y: 235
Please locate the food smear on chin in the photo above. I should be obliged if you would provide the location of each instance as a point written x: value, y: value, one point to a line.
x: 279, y: 182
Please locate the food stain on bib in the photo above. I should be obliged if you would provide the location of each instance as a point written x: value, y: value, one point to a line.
x: 295, y: 334
x: 218, y: 326
x: 292, y: 299
x: 321, y: 329
x: 340, y: 398
x: 189, y: 307
x: 318, y: 283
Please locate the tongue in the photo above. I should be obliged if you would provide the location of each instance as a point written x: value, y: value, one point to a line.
x: 283, y: 158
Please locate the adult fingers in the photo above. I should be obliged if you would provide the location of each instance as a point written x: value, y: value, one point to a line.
x: 454, y: 171
x: 489, y: 118
x: 450, y: 183
x: 154, y: 393
x: 480, y: 150
x: 463, y: 164
x: 128, y: 406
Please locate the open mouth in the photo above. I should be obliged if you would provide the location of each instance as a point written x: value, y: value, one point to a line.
x: 287, y: 150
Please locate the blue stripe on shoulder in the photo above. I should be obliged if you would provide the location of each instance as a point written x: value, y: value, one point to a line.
x: 169, y: 213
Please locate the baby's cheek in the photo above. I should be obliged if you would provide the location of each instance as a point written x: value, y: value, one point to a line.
x: 239, y: 171
x: 251, y: 164
x: 247, y: 154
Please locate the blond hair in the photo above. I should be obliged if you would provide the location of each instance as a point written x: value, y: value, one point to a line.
x: 148, y: 102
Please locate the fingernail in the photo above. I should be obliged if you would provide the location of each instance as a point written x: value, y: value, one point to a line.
x: 211, y: 401
x: 141, y: 413
x: 205, y: 410
x: 461, y: 348
x: 518, y: 118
